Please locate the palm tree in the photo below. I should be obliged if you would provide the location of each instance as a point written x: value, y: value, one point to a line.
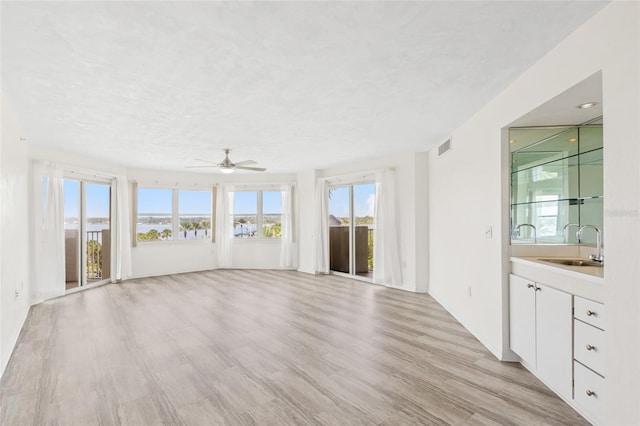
x: 186, y: 227
x: 195, y: 225
x: 206, y: 225
x: 94, y: 259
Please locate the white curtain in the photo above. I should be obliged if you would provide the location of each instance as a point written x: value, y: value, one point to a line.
x: 288, y: 252
x: 387, y: 268
x: 123, y: 266
x: 224, y: 225
x: 322, y: 228
x: 48, y: 235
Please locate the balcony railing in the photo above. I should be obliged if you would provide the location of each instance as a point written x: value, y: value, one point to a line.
x: 96, y: 258
x: 94, y: 255
x: 339, y: 248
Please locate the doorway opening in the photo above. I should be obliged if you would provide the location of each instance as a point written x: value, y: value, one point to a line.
x: 351, y: 225
x: 87, y: 232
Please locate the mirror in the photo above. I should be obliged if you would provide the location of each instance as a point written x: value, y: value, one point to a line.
x: 556, y: 182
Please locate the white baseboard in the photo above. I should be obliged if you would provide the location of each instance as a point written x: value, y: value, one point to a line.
x: 13, y: 343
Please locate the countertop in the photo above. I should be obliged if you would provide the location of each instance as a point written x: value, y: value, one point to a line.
x: 583, y: 281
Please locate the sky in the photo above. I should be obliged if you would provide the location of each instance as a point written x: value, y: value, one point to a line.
x: 149, y: 200
x: 152, y: 200
x: 199, y: 202
x: 246, y: 202
x: 364, y: 196
x: 98, y: 199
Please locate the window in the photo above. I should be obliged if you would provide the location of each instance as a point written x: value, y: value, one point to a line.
x: 257, y: 214
x: 155, y: 221
x: 194, y: 209
x: 164, y: 214
x: 547, y: 215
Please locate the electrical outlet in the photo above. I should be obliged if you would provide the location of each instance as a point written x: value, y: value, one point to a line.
x: 17, y: 294
x: 488, y: 232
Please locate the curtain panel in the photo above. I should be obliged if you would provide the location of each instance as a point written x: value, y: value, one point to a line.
x: 48, y: 233
x: 224, y: 225
x: 387, y: 268
x: 322, y: 227
x: 288, y: 252
x: 123, y: 223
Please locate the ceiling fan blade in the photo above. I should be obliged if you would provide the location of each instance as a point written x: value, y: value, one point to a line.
x: 246, y: 163
x: 254, y: 169
x: 206, y: 161
x: 199, y: 167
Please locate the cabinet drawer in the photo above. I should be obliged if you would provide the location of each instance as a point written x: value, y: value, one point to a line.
x: 588, y: 346
x: 588, y: 391
x: 589, y: 311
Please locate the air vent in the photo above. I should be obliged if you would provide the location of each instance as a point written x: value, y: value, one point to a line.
x: 444, y: 147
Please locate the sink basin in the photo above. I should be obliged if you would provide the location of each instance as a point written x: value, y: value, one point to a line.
x: 572, y: 262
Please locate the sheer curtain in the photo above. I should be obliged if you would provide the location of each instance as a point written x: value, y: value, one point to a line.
x: 322, y: 228
x: 48, y: 235
x: 387, y: 268
x: 123, y: 230
x: 288, y: 253
x: 224, y: 225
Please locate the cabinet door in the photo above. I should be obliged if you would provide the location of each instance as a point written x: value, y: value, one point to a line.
x: 554, y: 338
x: 522, y: 319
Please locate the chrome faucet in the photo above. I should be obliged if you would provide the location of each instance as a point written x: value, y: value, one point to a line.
x: 598, y: 257
x: 517, y: 231
x: 565, y: 234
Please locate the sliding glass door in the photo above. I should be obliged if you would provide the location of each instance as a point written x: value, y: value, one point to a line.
x: 87, y: 229
x: 351, y: 222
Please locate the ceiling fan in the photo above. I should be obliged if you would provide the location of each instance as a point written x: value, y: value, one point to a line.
x: 226, y: 166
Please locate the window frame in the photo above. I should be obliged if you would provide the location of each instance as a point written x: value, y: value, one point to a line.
x: 175, y: 215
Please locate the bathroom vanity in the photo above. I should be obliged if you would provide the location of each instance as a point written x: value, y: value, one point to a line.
x: 556, y: 319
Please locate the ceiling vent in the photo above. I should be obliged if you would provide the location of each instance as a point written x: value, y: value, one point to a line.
x: 444, y: 147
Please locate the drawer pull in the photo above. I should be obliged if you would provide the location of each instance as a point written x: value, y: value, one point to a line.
x: 590, y: 393
x: 590, y: 313
x: 591, y: 348
x: 529, y: 285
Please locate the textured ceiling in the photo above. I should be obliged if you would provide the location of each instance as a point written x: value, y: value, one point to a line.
x: 291, y: 85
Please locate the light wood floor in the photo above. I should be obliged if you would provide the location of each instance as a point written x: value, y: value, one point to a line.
x: 261, y: 347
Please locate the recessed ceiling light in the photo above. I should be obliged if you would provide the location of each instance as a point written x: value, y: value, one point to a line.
x: 572, y: 140
x: 512, y: 141
x: 587, y: 105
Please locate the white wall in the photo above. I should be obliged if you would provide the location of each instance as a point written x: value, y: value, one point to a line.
x: 306, y: 221
x: 466, y: 188
x: 14, y: 233
x: 172, y: 257
x: 411, y: 193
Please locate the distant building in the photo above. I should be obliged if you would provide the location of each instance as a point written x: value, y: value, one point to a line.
x: 334, y: 221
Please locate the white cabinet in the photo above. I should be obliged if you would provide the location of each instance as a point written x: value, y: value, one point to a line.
x: 553, y: 332
x: 589, y: 311
x: 589, y: 392
x: 589, y: 352
x: 522, y: 319
x: 589, y: 346
x: 540, y: 331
